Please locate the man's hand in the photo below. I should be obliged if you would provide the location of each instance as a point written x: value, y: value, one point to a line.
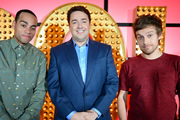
x: 92, y: 115
x: 79, y: 116
x: 89, y: 115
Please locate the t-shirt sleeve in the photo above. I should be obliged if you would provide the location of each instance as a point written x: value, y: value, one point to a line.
x: 178, y: 73
x: 123, y: 78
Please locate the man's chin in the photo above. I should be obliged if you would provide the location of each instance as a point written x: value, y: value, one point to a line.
x: 146, y: 52
x: 26, y: 41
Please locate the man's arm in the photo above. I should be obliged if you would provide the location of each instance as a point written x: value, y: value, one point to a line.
x: 178, y: 82
x: 37, y: 99
x: 82, y: 116
x: 122, y: 105
x: 110, y: 87
x: 59, y: 99
x: 3, y: 113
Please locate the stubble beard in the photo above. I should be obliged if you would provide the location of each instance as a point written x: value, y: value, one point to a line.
x: 151, y: 51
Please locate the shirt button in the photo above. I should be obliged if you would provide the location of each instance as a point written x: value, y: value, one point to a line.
x: 85, y: 95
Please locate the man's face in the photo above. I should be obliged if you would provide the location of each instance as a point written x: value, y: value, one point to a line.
x: 79, y: 27
x: 148, y: 40
x: 24, y: 28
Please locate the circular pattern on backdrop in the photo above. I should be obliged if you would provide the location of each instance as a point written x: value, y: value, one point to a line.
x: 6, y: 19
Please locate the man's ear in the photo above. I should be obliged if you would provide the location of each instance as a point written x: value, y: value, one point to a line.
x: 160, y: 36
x: 13, y: 24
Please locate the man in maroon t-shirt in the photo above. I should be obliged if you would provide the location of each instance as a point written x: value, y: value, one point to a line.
x: 153, y: 76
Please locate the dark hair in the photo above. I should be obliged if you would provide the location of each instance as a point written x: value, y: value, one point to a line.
x: 23, y: 10
x: 78, y: 8
x: 144, y: 21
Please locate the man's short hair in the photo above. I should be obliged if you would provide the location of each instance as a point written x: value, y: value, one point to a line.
x: 78, y: 8
x: 23, y: 10
x: 144, y: 21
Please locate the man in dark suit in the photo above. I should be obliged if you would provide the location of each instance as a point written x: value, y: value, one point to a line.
x: 82, y: 78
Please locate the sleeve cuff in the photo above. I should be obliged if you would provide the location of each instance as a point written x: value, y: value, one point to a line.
x: 25, y: 116
x: 70, y: 115
x: 97, y: 111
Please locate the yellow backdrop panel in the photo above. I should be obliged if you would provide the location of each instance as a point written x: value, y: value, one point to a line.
x: 6, y: 19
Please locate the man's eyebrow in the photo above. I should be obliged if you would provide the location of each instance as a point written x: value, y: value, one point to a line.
x: 84, y: 19
x: 74, y: 20
x: 146, y: 32
x: 139, y: 34
x: 24, y: 21
x: 27, y: 23
x: 150, y: 31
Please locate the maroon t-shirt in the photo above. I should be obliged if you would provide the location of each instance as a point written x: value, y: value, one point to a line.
x: 153, y: 84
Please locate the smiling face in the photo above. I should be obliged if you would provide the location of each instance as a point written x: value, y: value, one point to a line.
x: 148, y: 41
x: 79, y: 27
x: 24, y: 28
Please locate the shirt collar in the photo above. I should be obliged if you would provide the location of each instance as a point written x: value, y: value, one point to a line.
x: 15, y: 44
x: 87, y: 42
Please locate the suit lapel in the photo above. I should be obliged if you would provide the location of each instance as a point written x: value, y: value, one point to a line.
x: 91, y: 60
x: 73, y: 60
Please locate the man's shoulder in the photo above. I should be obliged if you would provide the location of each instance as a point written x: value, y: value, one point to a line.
x: 132, y: 62
x: 171, y: 55
x: 3, y: 42
x: 36, y: 50
x: 62, y: 46
x: 171, y: 58
x: 132, y: 59
x: 99, y: 43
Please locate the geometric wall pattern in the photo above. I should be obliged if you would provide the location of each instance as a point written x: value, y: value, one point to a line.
x: 54, y: 29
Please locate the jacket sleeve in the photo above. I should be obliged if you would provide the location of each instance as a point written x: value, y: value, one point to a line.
x: 59, y: 99
x: 110, y: 86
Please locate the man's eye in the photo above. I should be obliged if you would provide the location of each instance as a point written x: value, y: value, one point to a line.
x: 84, y: 21
x: 33, y: 28
x: 149, y: 36
x: 74, y: 22
x: 140, y: 38
x: 23, y: 25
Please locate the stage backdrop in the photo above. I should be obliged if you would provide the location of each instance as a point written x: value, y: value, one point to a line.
x: 120, y: 10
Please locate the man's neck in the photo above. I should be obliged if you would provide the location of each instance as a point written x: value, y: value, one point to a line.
x: 80, y: 43
x: 153, y: 55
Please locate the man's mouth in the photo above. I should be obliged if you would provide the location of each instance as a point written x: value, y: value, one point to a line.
x: 80, y: 31
x: 27, y: 36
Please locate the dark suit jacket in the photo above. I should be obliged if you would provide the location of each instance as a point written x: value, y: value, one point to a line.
x: 65, y: 84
